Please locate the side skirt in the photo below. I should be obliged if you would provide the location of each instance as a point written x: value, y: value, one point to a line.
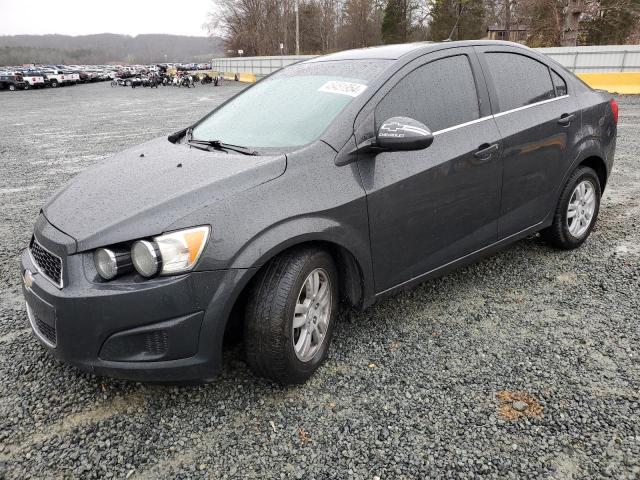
x: 462, y: 261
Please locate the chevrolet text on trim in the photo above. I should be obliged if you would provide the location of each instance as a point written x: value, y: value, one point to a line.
x: 340, y: 179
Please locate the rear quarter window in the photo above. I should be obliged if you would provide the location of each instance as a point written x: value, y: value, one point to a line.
x: 559, y: 84
x: 519, y: 80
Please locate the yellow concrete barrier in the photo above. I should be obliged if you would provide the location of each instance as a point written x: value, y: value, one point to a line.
x: 247, y: 77
x: 614, y: 82
x: 240, y: 77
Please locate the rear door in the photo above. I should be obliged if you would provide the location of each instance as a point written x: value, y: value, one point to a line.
x: 430, y: 207
x: 539, y: 121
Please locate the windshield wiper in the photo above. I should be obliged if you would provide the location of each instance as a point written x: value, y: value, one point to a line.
x: 216, y: 144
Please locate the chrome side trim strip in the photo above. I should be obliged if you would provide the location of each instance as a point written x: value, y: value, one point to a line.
x: 500, y: 114
x: 541, y: 102
x: 448, y: 129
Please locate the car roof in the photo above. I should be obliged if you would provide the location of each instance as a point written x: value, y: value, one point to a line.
x: 394, y: 52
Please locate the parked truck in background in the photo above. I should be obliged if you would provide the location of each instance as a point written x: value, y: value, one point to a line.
x: 60, y: 77
x: 34, y: 80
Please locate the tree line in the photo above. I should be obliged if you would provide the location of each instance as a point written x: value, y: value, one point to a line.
x: 107, y: 48
x: 260, y: 27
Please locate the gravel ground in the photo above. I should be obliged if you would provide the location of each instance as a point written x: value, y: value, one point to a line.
x: 429, y: 383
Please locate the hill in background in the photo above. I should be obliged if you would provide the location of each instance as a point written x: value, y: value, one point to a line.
x: 107, y: 48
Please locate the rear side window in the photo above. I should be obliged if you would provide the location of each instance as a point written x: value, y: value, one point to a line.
x: 519, y: 80
x: 440, y: 94
x: 559, y: 84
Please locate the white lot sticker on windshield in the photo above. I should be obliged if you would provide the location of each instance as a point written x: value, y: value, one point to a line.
x: 343, y: 88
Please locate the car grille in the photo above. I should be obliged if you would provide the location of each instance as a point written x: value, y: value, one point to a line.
x: 49, y: 264
x: 45, y: 331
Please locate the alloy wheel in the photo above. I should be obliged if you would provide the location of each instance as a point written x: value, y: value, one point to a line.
x: 582, y: 205
x: 312, y: 315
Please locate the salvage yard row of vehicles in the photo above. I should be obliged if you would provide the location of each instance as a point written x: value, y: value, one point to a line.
x: 40, y: 76
x: 14, y: 78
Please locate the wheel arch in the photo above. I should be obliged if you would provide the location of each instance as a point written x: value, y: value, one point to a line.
x: 351, y: 281
x: 589, y: 154
x: 598, y: 164
x: 352, y: 278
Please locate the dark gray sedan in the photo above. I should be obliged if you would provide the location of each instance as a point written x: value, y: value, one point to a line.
x: 341, y: 179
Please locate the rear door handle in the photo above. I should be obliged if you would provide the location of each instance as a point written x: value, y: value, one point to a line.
x: 485, y: 150
x: 566, y: 118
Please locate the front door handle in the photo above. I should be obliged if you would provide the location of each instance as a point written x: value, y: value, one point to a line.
x: 566, y: 119
x: 485, y: 150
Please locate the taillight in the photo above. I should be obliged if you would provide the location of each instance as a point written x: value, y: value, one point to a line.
x: 614, y: 110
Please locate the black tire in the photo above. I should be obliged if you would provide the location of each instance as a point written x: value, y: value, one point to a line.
x: 268, y: 322
x: 558, y: 234
x: 54, y: 84
x: 27, y: 86
x: 12, y: 88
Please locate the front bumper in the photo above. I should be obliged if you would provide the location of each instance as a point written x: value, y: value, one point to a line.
x: 166, y: 329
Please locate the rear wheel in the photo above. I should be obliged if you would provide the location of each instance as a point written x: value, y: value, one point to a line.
x: 577, y: 210
x: 54, y: 83
x: 12, y: 87
x: 27, y: 86
x: 290, y: 315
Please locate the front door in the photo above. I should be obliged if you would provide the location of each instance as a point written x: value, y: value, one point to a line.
x: 430, y: 207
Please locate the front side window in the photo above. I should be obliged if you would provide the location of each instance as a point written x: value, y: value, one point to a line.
x: 440, y: 94
x: 292, y: 107
x: 519, y: 80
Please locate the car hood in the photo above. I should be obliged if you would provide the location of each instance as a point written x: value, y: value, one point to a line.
x: 143, y: 190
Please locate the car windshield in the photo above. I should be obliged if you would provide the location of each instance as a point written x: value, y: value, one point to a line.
x: 292, y: 107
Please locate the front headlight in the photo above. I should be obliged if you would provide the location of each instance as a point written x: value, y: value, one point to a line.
x: 172, y: 253
x: 111, y: 262
x: 146, y: 258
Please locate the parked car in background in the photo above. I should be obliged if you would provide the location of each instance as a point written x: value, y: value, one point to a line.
x: 12, y: 82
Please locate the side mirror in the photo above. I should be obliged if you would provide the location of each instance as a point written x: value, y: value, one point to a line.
x: 403, y: 133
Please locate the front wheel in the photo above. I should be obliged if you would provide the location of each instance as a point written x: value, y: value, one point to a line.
x: 27, y: 86
x: 577, y: 210
x: 290, y: 315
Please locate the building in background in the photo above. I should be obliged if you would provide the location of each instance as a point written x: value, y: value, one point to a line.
x: 516, y: 33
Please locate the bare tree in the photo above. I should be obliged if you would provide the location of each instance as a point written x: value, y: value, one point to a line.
x: 258, y: 27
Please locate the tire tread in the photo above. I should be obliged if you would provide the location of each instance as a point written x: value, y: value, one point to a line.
x: 557, y: 234
x: 265, y: 345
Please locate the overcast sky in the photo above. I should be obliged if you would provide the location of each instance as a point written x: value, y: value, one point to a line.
x: 82, y: 17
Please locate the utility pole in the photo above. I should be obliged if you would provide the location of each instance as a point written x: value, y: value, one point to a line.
x: 297, y: 28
